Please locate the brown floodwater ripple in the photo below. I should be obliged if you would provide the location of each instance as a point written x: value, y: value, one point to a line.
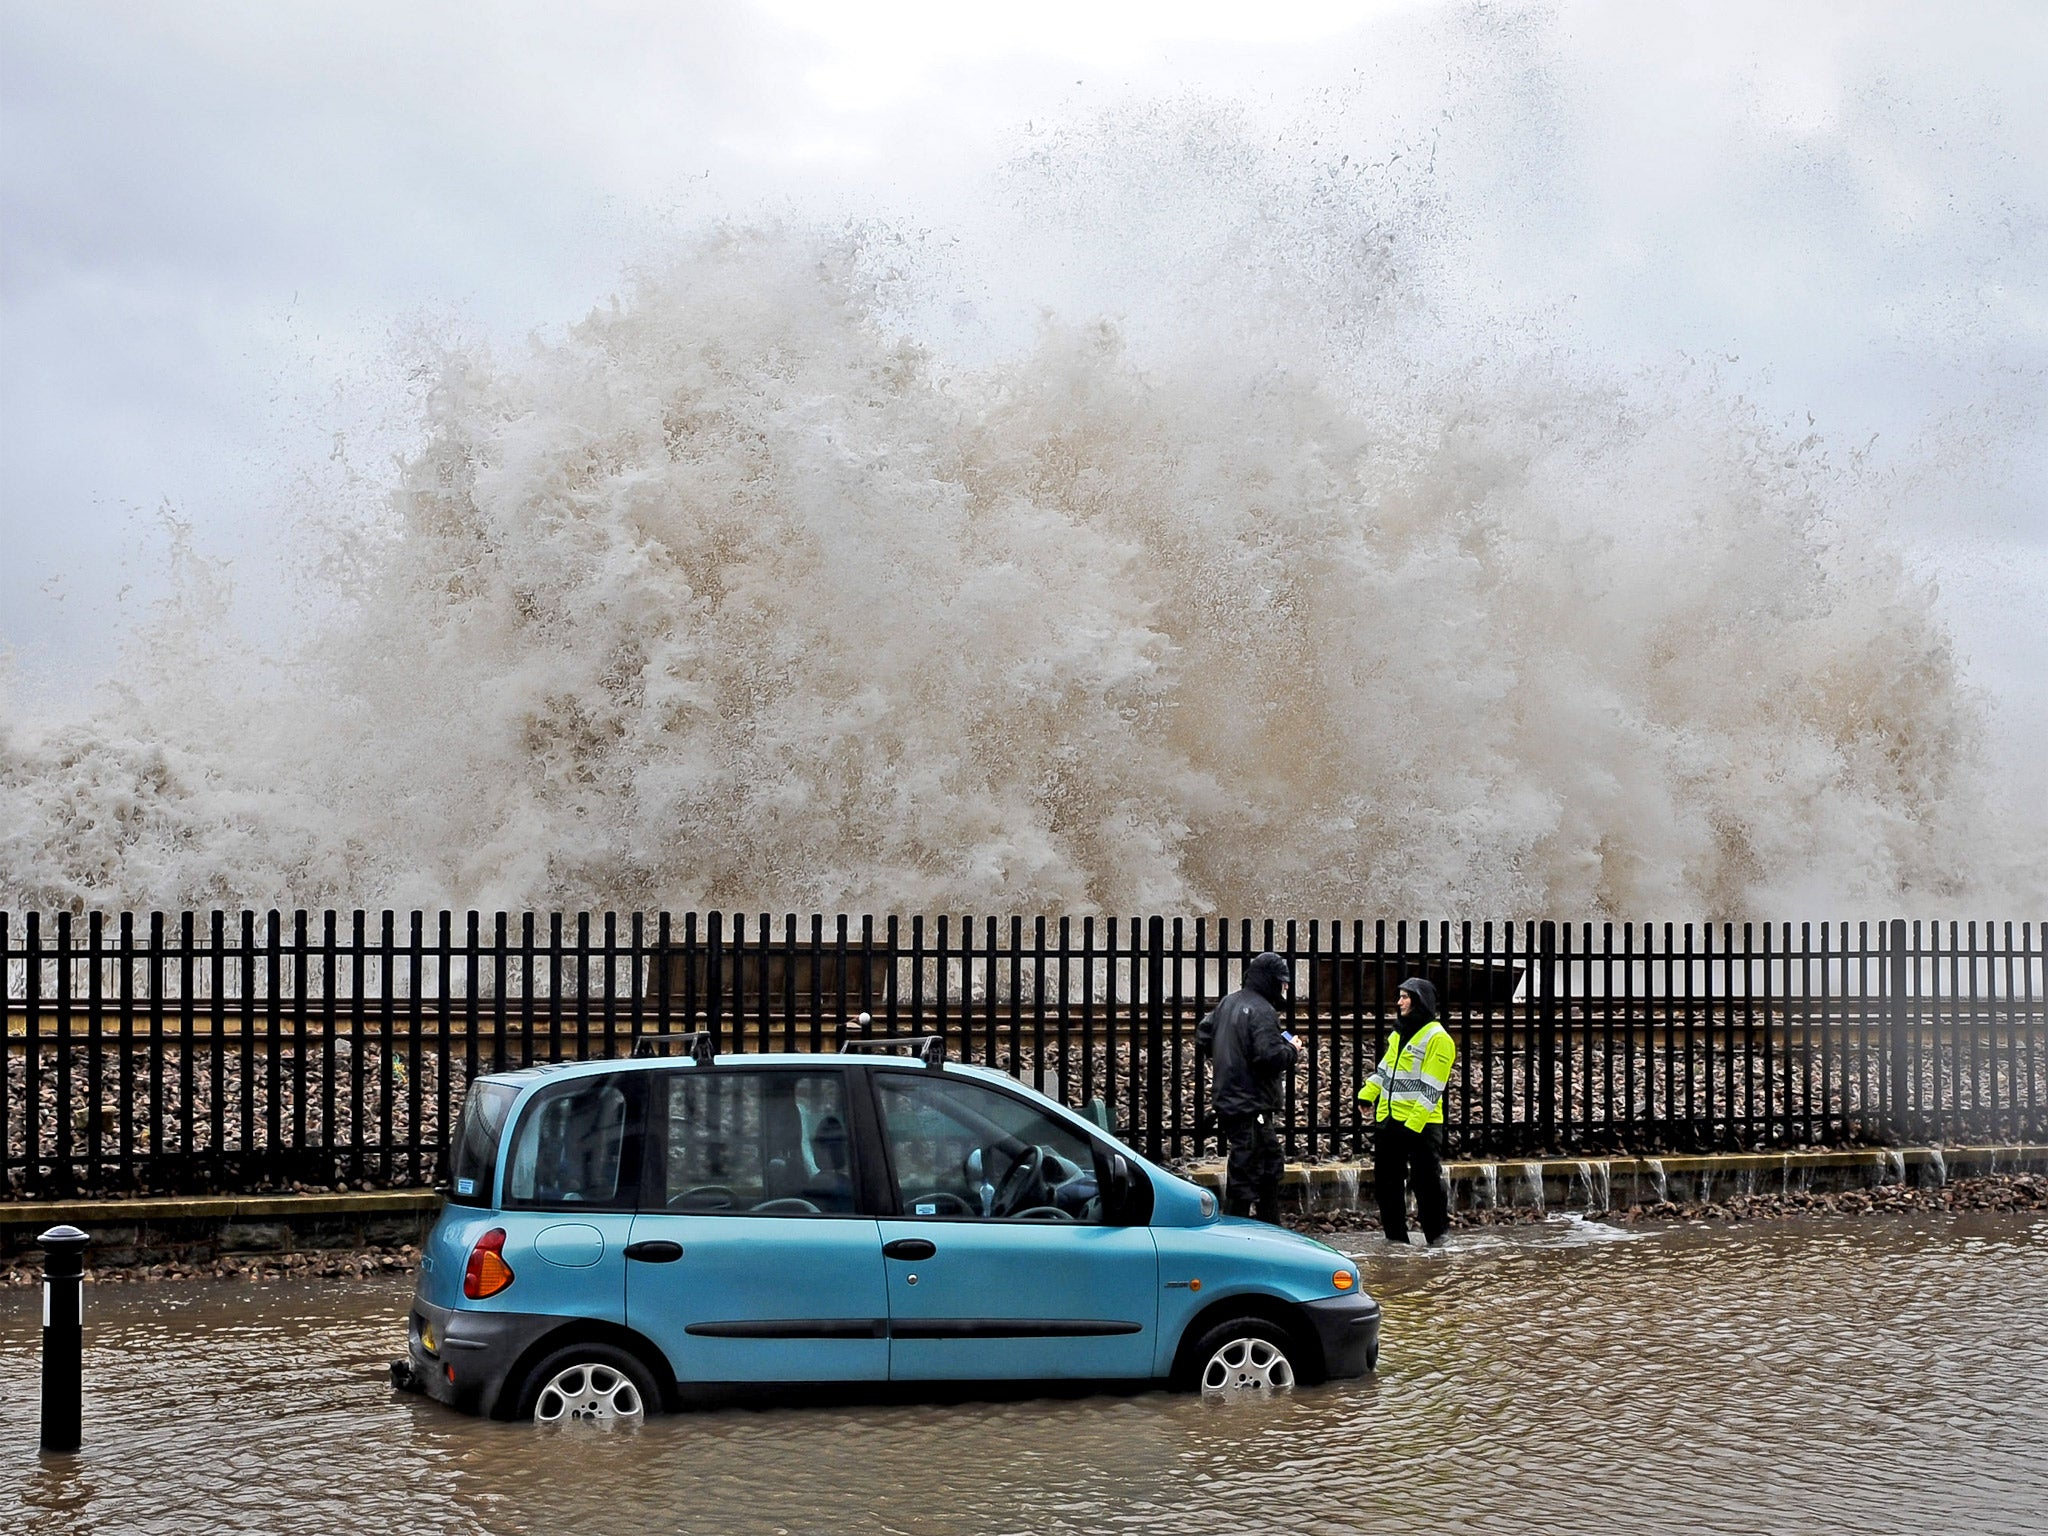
x: 1812, y: 1375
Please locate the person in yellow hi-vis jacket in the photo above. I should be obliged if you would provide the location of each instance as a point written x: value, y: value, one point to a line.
x: 1406, y: 1091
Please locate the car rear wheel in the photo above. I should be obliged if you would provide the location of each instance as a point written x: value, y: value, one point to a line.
x: 1242, y: 1356
x: 590, y: 1384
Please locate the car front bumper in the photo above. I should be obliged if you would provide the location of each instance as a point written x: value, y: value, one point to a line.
x: 1348, y: 1328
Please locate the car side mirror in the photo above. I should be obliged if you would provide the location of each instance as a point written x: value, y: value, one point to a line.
x: 1119, y: 1191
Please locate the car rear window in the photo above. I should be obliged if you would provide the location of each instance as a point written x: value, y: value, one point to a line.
x: 572, y: 1148
x: 476, y: 1142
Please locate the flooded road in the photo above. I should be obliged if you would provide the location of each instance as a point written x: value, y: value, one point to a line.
x: 1875, y: 1375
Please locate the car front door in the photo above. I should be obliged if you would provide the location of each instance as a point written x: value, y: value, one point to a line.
x: 750, y: 1260
x: 1000, y: 1263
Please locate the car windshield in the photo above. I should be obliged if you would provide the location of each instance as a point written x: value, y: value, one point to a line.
x: 476, y: 1142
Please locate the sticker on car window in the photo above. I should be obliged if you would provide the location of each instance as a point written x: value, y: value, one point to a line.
x: 465, y: 1186
x: 927, y: 1208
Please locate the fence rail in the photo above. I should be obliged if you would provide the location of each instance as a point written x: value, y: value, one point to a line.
x: 249, y: 1051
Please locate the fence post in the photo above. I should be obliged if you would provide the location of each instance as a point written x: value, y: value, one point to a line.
x: 1155, y: 1035
x: 63, y: 1338
x: 1899, y: 1023
x: 1546, y: 1033
x: 714, y: 977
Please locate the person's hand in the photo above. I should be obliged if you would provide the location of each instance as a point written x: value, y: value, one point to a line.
x: 1290, y: 1039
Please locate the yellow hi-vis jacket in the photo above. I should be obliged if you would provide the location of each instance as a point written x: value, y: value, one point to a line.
x: 1410, y: 1080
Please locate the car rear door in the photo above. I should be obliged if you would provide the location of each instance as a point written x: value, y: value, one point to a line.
x: 750, y: 1260
x: 979, y: 1290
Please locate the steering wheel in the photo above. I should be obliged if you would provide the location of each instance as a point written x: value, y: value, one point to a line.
x: 1020, y: 1183
x: 1044, y: 1213
x: 787, y: 1205
x: 947, y: 1203
x: 706, y: 1197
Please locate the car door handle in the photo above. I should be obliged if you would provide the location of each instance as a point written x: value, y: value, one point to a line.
x: 655, y: 1251
x: 909, y: 1248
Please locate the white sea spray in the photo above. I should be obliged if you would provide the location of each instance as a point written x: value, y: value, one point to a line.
x: 1276, y: 597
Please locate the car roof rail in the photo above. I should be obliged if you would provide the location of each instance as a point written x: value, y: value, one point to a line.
x: 931, y: 1047
x: 703, y: 1050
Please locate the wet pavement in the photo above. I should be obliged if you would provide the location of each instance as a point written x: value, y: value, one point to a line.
x: 1824, y: 1374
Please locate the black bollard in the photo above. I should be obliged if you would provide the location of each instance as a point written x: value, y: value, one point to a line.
x: 63, y: 1337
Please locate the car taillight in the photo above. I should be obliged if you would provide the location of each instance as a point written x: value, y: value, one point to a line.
x: 487, y: 1272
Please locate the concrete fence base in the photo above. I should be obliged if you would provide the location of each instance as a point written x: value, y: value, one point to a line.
x: 162, y: 1231
x: 157, y: 1231
x: 1593, y: 1185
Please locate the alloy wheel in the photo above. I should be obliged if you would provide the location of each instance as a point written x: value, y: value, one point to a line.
x: 589, y: 1393
x: 1248, y: 1365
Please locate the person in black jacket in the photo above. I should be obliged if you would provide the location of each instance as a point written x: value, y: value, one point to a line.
x: 1251, y: 1056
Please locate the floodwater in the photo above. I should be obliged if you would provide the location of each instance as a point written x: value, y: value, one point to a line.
x: 1868, y: 1376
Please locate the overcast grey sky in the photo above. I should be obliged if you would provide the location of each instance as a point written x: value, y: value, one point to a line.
x: 215, y: 218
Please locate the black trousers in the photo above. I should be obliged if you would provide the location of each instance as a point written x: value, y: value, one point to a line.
x: 1402, y: 1158
x: 1251, y: 1182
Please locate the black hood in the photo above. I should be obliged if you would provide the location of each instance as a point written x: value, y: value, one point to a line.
x: 1268, y: 976
x: 1424, y: 993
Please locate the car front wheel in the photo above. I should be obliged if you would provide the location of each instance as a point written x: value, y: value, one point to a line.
x: 1242, y: 1356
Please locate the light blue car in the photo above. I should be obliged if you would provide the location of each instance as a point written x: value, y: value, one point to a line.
x: 622, y: 1237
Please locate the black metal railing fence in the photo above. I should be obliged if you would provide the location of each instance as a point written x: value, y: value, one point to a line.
x: 249, y: 1051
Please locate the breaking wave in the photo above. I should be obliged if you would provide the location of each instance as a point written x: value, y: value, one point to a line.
x: 1279, y: 595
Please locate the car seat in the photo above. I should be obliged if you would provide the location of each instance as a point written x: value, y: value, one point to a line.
x: 832, y: 1188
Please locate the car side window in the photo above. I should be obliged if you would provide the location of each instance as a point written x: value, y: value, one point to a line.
x: 757, y: 1142
x: 574, y: 1148
x: 958, y: 1149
